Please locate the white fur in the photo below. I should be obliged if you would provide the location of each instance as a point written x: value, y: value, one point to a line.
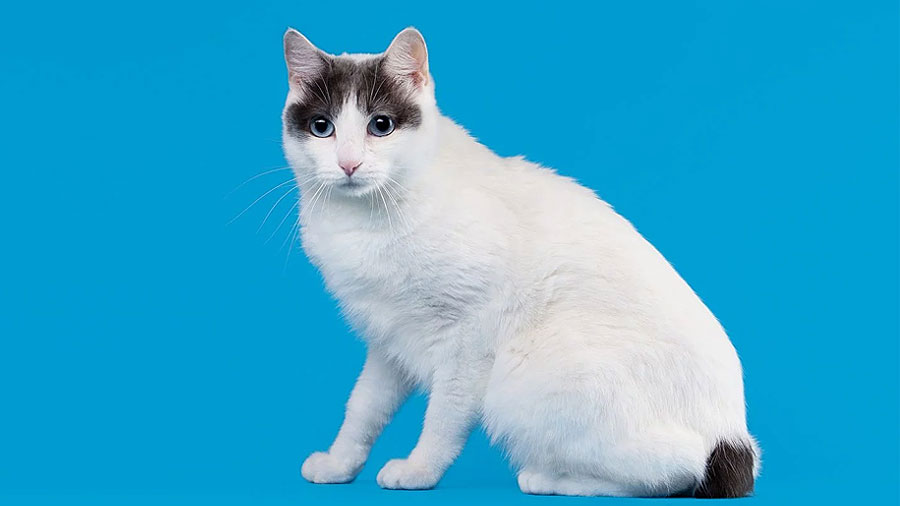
x: 516, y: 297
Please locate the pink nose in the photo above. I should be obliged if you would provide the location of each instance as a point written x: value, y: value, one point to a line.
x: 349, y: 166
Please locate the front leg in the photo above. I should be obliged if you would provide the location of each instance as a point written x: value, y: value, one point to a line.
x: 453, y: 406
x: 379, y: 391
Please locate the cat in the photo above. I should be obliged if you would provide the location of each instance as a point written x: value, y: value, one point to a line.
x: 513, y: 296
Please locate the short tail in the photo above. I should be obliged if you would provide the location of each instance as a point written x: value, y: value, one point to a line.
x: 730, y: 470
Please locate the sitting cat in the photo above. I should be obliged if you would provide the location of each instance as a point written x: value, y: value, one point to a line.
x: 512, y: 295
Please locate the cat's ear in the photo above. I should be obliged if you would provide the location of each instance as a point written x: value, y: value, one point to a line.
x: 305, y: 62
x: 407, y: 58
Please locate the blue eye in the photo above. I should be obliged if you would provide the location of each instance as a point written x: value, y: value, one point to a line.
x: 321, y: 126
x: 381, y: 125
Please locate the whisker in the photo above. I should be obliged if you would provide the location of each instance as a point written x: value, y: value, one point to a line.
x: 387, y: 211
x: 375, y: 95
x: 258, y: 199
x: 280, y: 223
x: 327, y: 196
x: 398, y: 189
x: 322, y: 94
x: 261, y: 225
x: 292, y: 237
x: 261, y: 174
x: 308, y: 179
x: 374, y: 80
x: 307, y: 212
x: 291, y: 232
x: 327, y: 92
x: 400, y: 214
x: 322, y: 198
x: 397, y: 184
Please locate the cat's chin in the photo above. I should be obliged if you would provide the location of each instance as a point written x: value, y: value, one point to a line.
x: 354, y: 187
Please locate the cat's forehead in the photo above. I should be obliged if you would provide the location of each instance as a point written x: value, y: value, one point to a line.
x: 347, y: 72
x: 358, y: 79
x: 351, y: 74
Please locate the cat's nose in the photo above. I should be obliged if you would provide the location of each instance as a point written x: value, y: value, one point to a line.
x: 349, y: 166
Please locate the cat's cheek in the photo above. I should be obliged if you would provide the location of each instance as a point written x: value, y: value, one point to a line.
x: 402, y: 152
x: 298, y: 155
x: 311, y: 155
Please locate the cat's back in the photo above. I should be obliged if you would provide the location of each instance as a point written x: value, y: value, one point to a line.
x: 576, y: 246
x: 604, y: 290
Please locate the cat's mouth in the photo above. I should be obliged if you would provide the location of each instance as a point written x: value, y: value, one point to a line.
x: 351, y: 183
x: 354, y: 186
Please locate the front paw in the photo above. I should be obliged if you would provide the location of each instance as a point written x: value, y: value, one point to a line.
x: 407, y: 475
x: 322, y: 467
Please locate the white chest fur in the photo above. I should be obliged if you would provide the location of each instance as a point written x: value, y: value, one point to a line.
x: 409, y: 290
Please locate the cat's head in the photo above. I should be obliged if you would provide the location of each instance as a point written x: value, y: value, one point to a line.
x: 356, y: 121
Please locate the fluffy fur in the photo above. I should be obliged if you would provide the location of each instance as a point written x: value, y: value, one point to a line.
x: 512, y: 295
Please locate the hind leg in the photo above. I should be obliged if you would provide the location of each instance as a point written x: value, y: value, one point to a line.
x: 651, y: 466
x: 538, y: 483
x: 575, y: 436
x: 663, y: 461
x: 587, y: 423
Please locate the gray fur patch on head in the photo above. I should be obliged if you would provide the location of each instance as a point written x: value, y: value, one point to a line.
x: 384, y: 84
x: 376, y: 92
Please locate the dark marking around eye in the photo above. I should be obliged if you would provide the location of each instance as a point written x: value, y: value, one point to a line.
x: 377, y: 93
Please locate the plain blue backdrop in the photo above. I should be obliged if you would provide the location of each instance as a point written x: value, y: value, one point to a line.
x: 153, y: 353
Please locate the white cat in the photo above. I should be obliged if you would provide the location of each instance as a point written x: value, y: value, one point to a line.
x: 512, y: 295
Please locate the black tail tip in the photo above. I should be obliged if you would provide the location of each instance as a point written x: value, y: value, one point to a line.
x: 729, y: 471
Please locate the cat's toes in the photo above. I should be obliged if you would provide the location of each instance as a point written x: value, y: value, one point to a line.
x: 322, y: 467
x: 531, y: 482
x: 407, y: 475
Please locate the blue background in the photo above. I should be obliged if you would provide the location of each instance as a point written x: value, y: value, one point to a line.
x: 150, y: 352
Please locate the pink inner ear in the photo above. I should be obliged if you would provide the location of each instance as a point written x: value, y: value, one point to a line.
x: 418, y: 78
x: 408, y: 57
x: 302, y: 57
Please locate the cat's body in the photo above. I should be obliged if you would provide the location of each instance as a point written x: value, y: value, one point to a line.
x: 511, y: 294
